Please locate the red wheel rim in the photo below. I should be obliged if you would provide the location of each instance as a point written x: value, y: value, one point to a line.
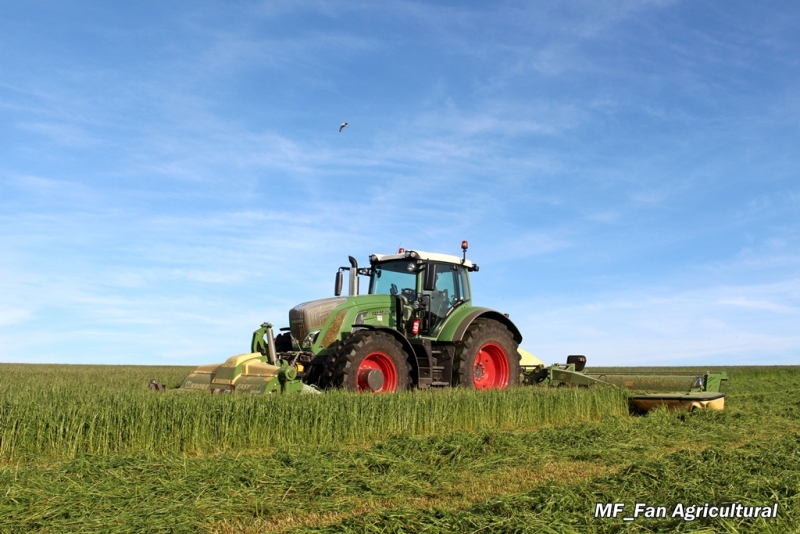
x: 380, y: 362
x: 490, y: 369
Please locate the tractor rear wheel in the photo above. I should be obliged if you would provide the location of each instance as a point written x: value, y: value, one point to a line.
x: 370, y: 362
x: 487, y: 357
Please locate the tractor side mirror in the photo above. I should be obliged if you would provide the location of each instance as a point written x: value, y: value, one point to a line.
x: 339, y: 282
x: 429, y: 279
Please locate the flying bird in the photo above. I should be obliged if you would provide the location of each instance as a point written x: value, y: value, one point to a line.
x: 343, y: 126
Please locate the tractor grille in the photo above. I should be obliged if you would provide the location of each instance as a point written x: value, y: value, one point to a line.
x: 309, y: 316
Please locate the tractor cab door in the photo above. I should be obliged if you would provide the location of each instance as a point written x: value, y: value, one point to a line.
x: 445, y: 286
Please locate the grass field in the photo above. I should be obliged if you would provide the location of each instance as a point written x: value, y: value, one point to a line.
x: 89, y: 448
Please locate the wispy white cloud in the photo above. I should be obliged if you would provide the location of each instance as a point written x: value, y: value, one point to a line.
x: 62, y: 191
x: 716, y: 326
x: 755, y: 304
x: 63, y: 134
x: 11, y: 315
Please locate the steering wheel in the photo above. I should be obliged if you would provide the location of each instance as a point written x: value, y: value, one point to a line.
x: 409, y: 293
x: 393, y: 290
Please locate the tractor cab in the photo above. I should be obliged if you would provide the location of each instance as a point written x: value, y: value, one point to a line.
x: 429, y: 285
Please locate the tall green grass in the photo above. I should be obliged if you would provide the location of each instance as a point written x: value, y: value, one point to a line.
x: 55, y: 411
x: 510, y: 474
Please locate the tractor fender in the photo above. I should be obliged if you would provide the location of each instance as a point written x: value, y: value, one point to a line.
x: 395, y: 334
x: 485, y: 313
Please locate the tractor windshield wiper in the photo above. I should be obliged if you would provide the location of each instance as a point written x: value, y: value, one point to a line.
x: 458, y: 303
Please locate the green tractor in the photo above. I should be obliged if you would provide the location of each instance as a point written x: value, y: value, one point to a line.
x: 417, y: 327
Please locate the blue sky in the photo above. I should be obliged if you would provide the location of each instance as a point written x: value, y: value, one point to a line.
x: 172, y: 175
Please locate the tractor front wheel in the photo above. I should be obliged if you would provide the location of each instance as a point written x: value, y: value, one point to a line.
x: 369, y: 362
x: 487, y: 357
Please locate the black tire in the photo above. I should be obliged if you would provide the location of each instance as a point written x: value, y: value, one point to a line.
x: 283, y: 342
x: 366, y: 350
x: 315, y: 371
x: 312, y: 374
x: 498, y: 365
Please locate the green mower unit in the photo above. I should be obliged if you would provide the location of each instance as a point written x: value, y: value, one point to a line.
x: 675, y: 391
x: 259, y: 371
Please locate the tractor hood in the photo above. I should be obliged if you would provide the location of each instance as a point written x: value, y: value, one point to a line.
x: 310, y: 316
x: 335, y: 316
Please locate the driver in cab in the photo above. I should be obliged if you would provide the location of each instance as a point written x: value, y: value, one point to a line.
x: 440, y: 298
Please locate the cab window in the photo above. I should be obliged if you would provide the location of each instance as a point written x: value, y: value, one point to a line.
x: 451, y: 288
x: 394, y: 278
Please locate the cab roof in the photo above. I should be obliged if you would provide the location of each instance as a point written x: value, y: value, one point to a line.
x: 425, y: 256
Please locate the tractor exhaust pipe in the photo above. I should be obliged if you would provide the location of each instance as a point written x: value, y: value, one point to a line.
x: 353, y: 276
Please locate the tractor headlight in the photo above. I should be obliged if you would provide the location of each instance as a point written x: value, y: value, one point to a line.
x: 310, y: 338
